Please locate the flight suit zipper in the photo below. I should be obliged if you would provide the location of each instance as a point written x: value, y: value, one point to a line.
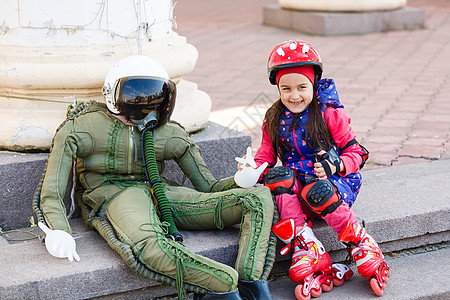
x: 132, y: 149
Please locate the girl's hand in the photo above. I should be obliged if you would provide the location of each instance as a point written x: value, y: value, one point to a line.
x: 320, y: 171
x: 247, y: 159
x: 239, y: 166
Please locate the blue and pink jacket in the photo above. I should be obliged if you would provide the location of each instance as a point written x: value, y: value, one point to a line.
x: 292, y: 130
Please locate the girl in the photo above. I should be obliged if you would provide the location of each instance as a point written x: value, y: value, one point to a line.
x: 308, y: 130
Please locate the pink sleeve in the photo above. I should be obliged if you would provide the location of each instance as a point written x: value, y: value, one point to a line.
x: 265, y: 152
x: 338, y: 121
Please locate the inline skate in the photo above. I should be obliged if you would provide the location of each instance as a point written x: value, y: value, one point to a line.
x: 311, y: 265
x: 368, y: 256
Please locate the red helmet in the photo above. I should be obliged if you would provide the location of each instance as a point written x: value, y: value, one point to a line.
x: 291, y: 54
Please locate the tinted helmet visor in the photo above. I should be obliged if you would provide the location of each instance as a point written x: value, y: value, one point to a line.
x: 137, y: 96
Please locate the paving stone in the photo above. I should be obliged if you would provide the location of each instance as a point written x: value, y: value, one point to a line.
x: 425, y: 151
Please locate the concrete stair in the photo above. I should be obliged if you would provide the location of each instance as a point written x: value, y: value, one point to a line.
x: 401, y: 207
x: 20, y: 172
x: 413, y: 276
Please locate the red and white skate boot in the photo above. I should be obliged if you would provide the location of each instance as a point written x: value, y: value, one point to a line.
x: 311, y: 265
x: 367, y: 255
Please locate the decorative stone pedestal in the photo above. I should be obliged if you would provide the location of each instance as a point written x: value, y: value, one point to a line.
x: 344, y: 22
x: 55, y: 52
x: 342, y: 5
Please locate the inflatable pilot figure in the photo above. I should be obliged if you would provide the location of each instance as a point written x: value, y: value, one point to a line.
x: 119, y: 149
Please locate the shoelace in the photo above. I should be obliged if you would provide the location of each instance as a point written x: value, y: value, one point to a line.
x: 298, y: 240
x: 363, y: 246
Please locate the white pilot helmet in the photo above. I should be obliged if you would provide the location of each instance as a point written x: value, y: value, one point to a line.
x: 138, y: 85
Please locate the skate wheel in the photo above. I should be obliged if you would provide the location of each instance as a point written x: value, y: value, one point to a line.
x: 299, y: 295
x: 327, y: 287
x: 316, y: 293
x: 338, y: 282
x: 376, y: 287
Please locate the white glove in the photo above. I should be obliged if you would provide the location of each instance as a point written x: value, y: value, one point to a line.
x: 59, y: 243
x: 248, y: 176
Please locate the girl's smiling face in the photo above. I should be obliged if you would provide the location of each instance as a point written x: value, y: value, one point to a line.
x: 296, y: 91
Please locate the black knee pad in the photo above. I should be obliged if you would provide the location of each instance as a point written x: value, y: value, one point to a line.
x: 280, y: 180
x: 321, y: 196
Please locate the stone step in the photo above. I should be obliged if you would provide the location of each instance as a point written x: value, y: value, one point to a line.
x: 416, y: 276
x: 20, y: 172
x: 401, y: 207
x: 395, y: 205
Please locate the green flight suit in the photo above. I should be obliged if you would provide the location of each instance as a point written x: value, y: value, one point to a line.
x: 110, y: 169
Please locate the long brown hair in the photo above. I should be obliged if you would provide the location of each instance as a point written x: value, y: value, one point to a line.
x: 317, y: 134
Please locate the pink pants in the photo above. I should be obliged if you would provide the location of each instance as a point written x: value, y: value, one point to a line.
x: 290, y: 206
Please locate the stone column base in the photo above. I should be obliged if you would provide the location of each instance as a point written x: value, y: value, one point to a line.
x: 339, y: 23
x: 29, y: 125
x: 192, y: 106
x: 38, y: 83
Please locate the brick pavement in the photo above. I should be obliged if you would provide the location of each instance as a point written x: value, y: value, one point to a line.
x: 395, y: 85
